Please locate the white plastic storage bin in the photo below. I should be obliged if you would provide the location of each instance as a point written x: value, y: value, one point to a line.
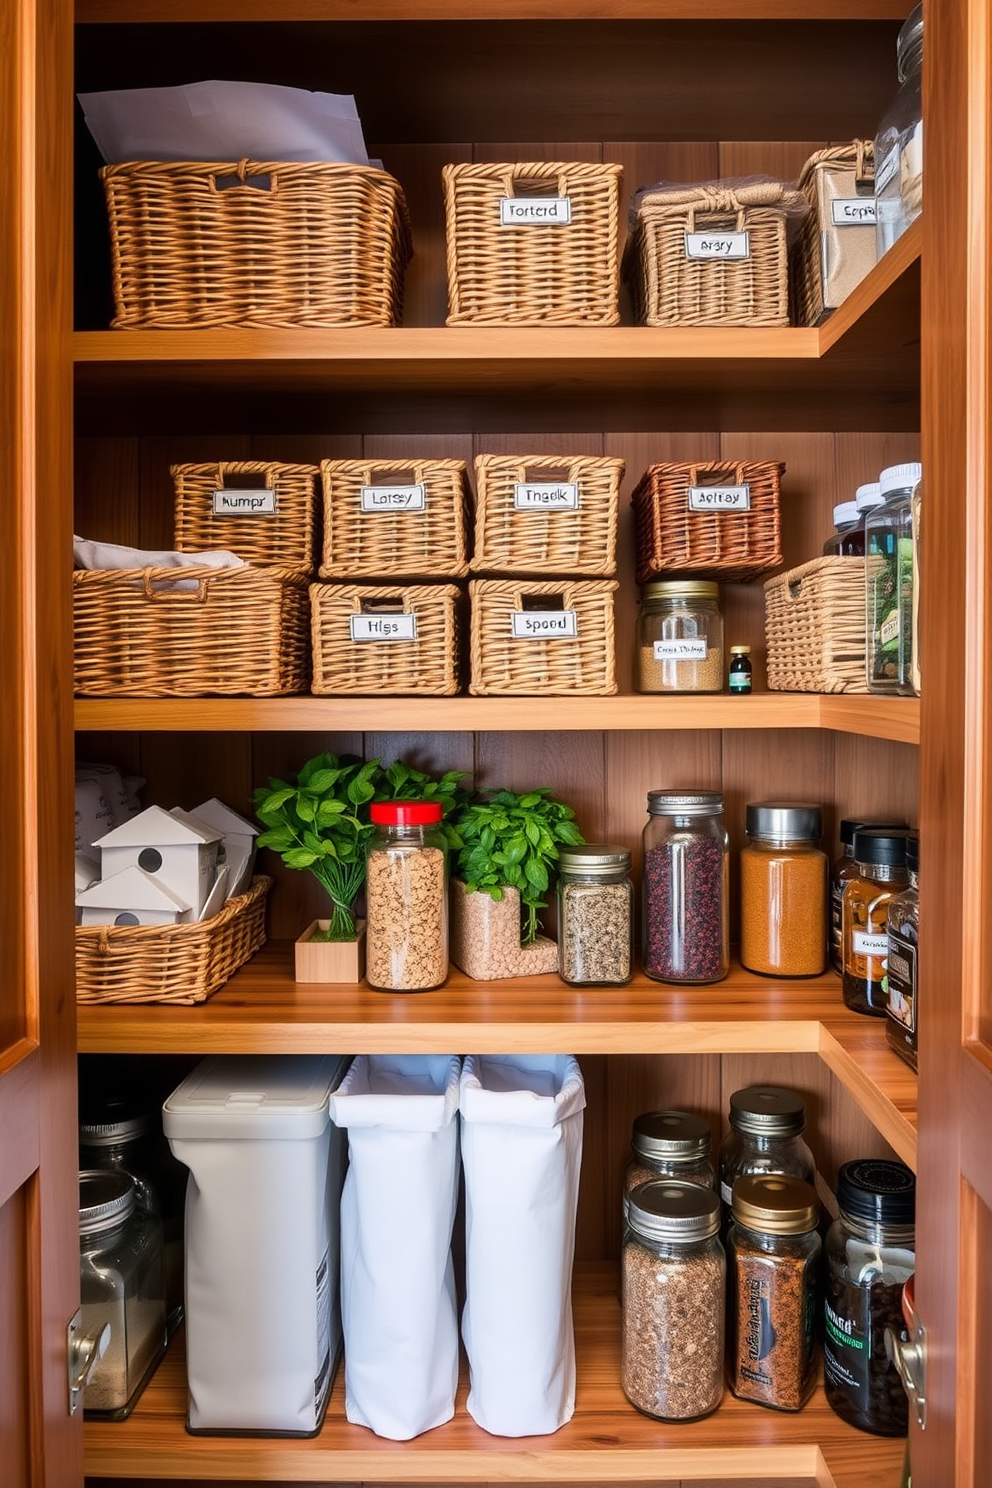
x: 263, y: 1331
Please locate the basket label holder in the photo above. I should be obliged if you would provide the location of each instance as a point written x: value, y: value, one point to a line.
x: 535, y: 211
x: 404, y: 498
x: 370, y: 626
x: 720, y: 498
x: 727, y: 245
x: 235, y: 502
x: 544, y: 625
x: 546, y: 496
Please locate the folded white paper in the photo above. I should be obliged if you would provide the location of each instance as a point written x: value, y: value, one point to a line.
x: 89, y: 554
x: 94, y: 814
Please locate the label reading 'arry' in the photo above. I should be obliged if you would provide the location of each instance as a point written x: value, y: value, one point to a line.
x: 534, y: 211
x: 393, y: 498
x: 684, y: 650
x: 383, y: 627
x: 718, y: 245
x: 870, y: 945
x: 888, y: 631
x: 719, y: 498
x: 546, y: 496
x: 543, y: 625
x: 244, y: 503
x: 852, y: 211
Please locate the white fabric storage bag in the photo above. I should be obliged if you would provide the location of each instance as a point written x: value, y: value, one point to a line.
x: 521, y: 1150
x: 263, y: 1328
x: 397, y: 1213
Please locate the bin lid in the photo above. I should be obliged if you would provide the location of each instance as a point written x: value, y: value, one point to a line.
x: 280, y: 1097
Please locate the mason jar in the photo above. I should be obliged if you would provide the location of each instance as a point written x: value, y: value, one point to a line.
x: 406, y: 896
x: 595, y: 915
x: 685, y: 933
x: 670, y: 1144
x: 783, y: 890
x: 680, y: 637
x: 766, y: 1136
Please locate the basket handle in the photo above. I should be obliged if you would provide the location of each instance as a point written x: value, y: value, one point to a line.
x: 864, y: 173
x: 239, y: 181
x: 738, y: 470
x: 230, y: 467
x: 723, y: 204
x: 171, y: 594
x: 393, y: 477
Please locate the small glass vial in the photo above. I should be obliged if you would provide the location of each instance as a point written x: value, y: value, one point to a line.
x: 842, y: 871
x: 670, y: 1144
x: 766, y: 1136
x: 903, y: 933
x: 595, y: 916
x: 122, y: 1285
x: 890, y: 580
x: 741, y: 676
x: 844, y: 543
x: 870, y: 1254
x: 899, y: 141
x: 680, y: 637
x: 685, y: 920
x: 783, y: 891
x: 406, y: 897
x: 674, y: 1285
x: 880, y: 857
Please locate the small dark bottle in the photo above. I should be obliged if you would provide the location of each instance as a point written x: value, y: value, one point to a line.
x: 740, y: 670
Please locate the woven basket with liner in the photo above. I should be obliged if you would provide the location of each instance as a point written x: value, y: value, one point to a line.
x: 582, y: 662
x: 815, y: 627
x: 424, y: 657
x: 170, y: 963
x: 255, y: 243
x: 834, y: 250
x: 366, y: 538
x: 579, y: 538
x: 222, y: 505
x: 677, y: 530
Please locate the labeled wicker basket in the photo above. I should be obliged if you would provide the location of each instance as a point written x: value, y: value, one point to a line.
x: 735, y: 532
x: 815, y: 627
x: 385, y: 639
x: 568, y: 528
x: 190, y: 632
x: 394, y: 517
x: 170, y: 963
x: 835, y: 247
x: 255, y: 243
x: 265, y: 515
x: 521, y: 648
x: 542, y: 262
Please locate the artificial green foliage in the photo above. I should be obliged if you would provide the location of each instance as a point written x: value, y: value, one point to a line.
x: 402, y: 782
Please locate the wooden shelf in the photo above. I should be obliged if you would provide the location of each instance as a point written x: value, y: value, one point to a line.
x: 137, y: 11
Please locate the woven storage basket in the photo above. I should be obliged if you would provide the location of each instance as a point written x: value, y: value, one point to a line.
x: 427, y: 665
x: 199, y: 244
x: 535, y: 273
x: 231, y: 631
x: 815, y: 627
x: 737, y: 545
x: 427, y: 541
x: 170, y: 963
x: 831, y: 257
x: 566, y: 540
x: 504, y: 663
x: 281, y: 537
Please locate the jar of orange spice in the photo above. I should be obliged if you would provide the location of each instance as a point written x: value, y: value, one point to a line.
x: 783, y: 891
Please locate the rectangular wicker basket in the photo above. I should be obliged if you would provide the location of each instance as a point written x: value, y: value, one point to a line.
x: 535, y: 272
x: 831, y: 257
x: 276, y: 530
x: 560, y: 540
x: 170, y: 963
x: 815, y: 627
x: 424, y: 662
x: 737, y: 544
x: 191, y: 632
x: 255, y: 243
x: 580, y: 660
x: 425, y: 540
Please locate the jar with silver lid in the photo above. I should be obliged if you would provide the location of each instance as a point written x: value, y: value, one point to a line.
x: 685, y: 920
x: 680, y: 637
x: 670, y: 1144
x: 783, y: 890
x: 766, y: 1136
x: 595, y: 915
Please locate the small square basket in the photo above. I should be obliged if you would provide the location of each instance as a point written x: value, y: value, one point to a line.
x: 815, y: 627
x: 574, y: 539
x: 835, y: 248
x: 735, y: 544
x: 425, y: 540
x: 265, y: 516
x: 424, y: 663
x: 583, y: 662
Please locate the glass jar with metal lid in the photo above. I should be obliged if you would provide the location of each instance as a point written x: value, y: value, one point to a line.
x: 843, y: 870
x: 903, y: 929
x: 881, y: 861
x: 685, y: 920
x: 680, y: 637
x: 670, y: 1144
x: 673, y: 1298
x: 766, y: 1136
x: 595, y: 915
x: 783, y: 890
x: 899, y: 141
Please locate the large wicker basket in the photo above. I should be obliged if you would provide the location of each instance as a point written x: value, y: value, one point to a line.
x: 265, y: 516
x: 815, y: 627
x: 425, y: 663
x: 191, y: 632
x: 582, y: 662
x: 255, y: 243
x: 675, y: 531
x: 426, y: 539
x: 835, y: 247
x: 578, y: 538
x: 170, y: 963
x: 536, y: 272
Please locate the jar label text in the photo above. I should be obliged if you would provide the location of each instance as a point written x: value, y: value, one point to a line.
x: 719, y: 498
x: 244, y: 503
x: 870, y: 945
x: 527, y: 211
x: 852, y: 211
x: 718, y: 245
x: 888, y: 631
x: 546, y: 496
x: 685, y: 650
x: 543, y: 625
x: 902, y: 981
x: 393, y: 498
x: 383, y: 627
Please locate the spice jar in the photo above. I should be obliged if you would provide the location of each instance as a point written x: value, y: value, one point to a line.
x: 783, y: 891
x: 680, y: 637
x: 595, y: 915
x: 903, y: 933
x: 673, y: 1297
x: 870, y: 1255
x: 773, y: 1252
x: 685, y: 923
x: 740, y: 679
x: 406, y: 897
x: 122, y: 1284
x: 843, y: 870
x: 766, y: 1136
x: 670, y: 1144
x: 899, y: 141
x: 880, y: 857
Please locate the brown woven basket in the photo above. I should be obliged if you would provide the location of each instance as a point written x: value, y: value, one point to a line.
x: 831, y: 259
x: 738, y: 545
x: 427, y: 541
x: 255, y: 243
x: 583, y: 663
x: 815, y: 627
x: 425, y: 665
x: 267, y: 531
x: 564, y: 273
x: 170, y: 963
x: 230, y: 631
x: 553, y: 540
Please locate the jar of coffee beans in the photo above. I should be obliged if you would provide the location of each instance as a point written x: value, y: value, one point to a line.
x: 686, y: 848
x: 670, y: 1144
x: 766, y: 1136
x: 595, y: 915
x: 406, y: 897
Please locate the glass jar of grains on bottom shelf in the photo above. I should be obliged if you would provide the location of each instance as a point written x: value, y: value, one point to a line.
x: 595, y: 915
x: 670, y: 1144
x: 680, y: 637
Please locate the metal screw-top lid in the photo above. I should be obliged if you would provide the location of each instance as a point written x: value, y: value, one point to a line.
x: 850, y: 825
x: 868, y: 495
x: 781, y: 820
x: 674, y: 1135
x: 909, y: 44
x: 740, y: 650
x: 668, y: 1209
x: 112, y: 1120
x: 877, y: 1191
x: 913, y: 853
x: 768, y: 1111
x: 879, y: 847
x: 106, y: 1198
x: 845, y: 513
x: 684, y: 803
x: 776, y: 1204
x: 594, y: 857
x: 677, y: 588
x: 900, y: 477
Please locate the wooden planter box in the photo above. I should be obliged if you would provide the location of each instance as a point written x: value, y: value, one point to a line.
x: 330, y: 960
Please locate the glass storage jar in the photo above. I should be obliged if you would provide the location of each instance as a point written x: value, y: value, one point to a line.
x: 890, y: 581
x: 903, y: 929
x: 406, y: 897
x: 783, y: 890
x: 842, y: 871
x: 766, y: 1136
x: 673, y: 1297
x: 880, y: 857
x: 595, y: 915
x: 670, y: 1144
x: 680, y: 637
x: 899, y: 141
x: 685, y: 935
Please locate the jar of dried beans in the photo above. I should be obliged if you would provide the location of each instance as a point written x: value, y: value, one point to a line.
x: 670, y: 1144
x: 684, y: 924
x: 595, y: 916
x: 766, y: 1136
x: 406, y: 898
x: 783, y: 891
x: 673, y: 1297
x: 881, y: 861
x: 680, y: 637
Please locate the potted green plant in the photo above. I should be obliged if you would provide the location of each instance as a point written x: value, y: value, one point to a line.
x: 401, y: 782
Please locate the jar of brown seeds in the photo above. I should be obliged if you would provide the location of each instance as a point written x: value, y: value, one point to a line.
x: 406, y: 893
x: 670, y: 1144
x: 595, y: 916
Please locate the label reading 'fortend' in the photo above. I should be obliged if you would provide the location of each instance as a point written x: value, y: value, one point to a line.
x: 852, y: 211
x: 544, y: 625
x: 535, y: 211
x: 383, y: 627
x: 684, y: 650
x: 244, y: 503
x: 718, y: 245
x: 393, y: 498
x: 546, y: 496
x: 719, y: 498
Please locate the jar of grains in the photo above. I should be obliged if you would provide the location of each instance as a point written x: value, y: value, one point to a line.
x: 773, y: 1253
x: 904, y: 934
x: 684, y: 924
x: 674, y: 1278
x: 841, y: 873
x: 680, y: 637
x: 766, y: 1136
x: 783, y: 891
x: 595, y: 915
x: 406, y: 898
x: 881, y: 861
x: 670, y: 1144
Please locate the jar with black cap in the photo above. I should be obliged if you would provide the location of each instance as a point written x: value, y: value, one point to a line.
x: 670, y: 1144
x: 595, y: 915
x: 783, y: 890
x: 870, y: 1253
x: 843, y: 870
x: 903, y: 932
x: 766, y: 1136
x: 880, y: 857
x: 685, y: 920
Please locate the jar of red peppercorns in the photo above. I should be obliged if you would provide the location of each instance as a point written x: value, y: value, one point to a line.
x: 685, y: 937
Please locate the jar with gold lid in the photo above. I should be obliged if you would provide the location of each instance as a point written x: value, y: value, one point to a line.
x: 680, y: 637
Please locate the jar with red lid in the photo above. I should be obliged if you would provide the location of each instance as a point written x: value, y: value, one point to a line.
x: 406, y: 897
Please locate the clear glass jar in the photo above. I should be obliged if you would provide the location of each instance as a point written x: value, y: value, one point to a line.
x: 842, y: 871
x: 685, y: 928
x: 122, y: 1284
x: 903, y: 929
x: 890, y: 581
x: 595, y: 916
x: 766, y: 1136
x: 740, y: 678
x: 670, y: 1144
x: 899, y: 141
x: 870, y: 1252
x: 680, y: 637
x: 674, y: 1288
x: 844, y: 542
x: 909, y: 667
x: 406, y: 897
x: 880, y: 857
x: 773, y: 1254
x: 783, y: 890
